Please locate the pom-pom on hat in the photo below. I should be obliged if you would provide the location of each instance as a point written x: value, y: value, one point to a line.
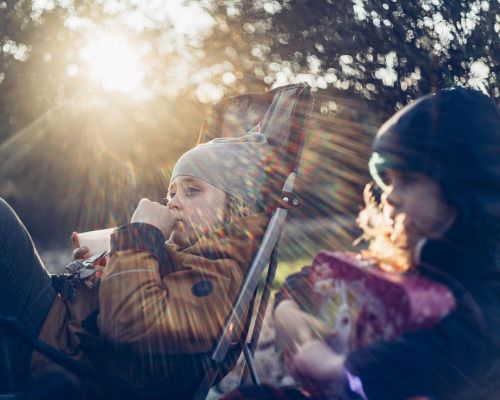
x: 235, y: 165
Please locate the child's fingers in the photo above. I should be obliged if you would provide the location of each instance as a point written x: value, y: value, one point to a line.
x: 81, y: 253
x: 318, y: 362
x: 293, y: 332
x: 74, y: 240
x: 318, y: 327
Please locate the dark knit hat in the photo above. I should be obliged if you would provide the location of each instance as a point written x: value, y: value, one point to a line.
x: 453, y: 136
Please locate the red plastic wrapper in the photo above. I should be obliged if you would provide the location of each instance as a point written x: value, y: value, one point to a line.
x: 363, y: 303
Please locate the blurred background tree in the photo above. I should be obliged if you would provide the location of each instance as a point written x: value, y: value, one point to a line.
x: 99, y: 98
x: 388, y: 50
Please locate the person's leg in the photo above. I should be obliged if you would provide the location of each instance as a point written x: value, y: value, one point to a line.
x: 26, y: 291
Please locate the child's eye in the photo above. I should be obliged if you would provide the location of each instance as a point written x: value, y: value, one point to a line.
x: 171, y: 195
x: 191, y: 190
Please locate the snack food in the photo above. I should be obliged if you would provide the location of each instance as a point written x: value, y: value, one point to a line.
x: 363, y: 303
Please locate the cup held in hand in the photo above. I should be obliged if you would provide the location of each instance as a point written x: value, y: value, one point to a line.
x: 96, y: 241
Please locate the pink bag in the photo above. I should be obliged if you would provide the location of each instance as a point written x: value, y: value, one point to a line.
x: 363, y: 304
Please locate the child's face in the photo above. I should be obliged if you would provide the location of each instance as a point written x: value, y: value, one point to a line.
x: 198, y: 207
x: 421, y: 200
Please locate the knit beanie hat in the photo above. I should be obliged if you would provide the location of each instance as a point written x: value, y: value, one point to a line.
x: 453, y: 136
x: 234, y: 165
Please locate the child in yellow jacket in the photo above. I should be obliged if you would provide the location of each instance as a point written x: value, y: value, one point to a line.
x: 173, y: 274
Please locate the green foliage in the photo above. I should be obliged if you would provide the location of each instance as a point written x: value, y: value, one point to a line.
x: 288, y: 267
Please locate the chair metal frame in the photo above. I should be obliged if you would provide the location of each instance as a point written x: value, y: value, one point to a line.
x: 267, y: 254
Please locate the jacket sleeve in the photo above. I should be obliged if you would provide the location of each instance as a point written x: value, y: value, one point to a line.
x: 434, y: 362
x: 161, y: 300
x: 439, y: 361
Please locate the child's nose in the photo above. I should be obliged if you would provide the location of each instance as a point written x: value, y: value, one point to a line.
x: 175, y: 203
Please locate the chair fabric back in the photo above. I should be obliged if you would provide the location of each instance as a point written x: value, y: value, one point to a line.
x: 281, y: 114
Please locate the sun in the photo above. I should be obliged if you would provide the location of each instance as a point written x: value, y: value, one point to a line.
x: 113, y: 62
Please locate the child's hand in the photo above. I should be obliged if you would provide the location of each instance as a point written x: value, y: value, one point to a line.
x: 156, y: 214
x: 310, y: 360
x: 319, y: 369
x: 79, y: 253
x: 82, y: 253
x: 295, y: 327
x: 316, y: 362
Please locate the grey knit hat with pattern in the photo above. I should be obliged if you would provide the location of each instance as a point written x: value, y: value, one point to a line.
x: 235, y: 165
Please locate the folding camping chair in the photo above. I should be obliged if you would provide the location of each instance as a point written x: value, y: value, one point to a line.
x: 280, y: 114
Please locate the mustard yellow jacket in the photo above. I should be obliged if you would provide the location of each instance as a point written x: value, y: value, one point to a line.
x: 154, y: 298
